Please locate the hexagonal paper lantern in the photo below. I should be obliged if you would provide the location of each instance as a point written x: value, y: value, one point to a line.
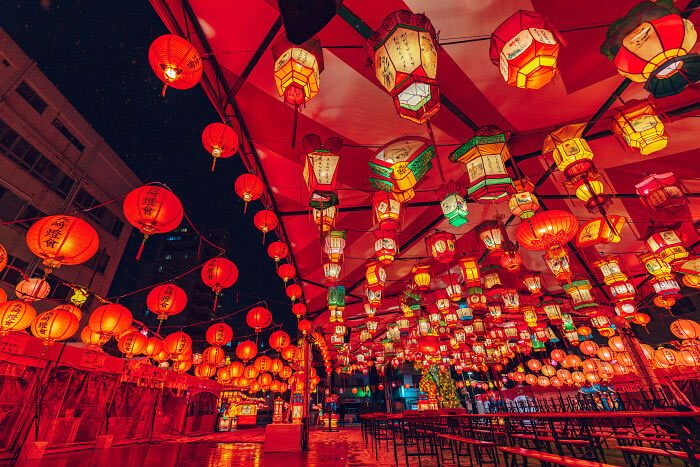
x: 454, y: 207
x: 661, y: 191
x: 667, y: 242
x: 321, y: 166
x: 441, y: 246
x: 523, y: 203
x: 297, y: 69
x: 404, y: 55
x: 525, y: 48
x: 400, y: 164
x: 483, y: 159
x: 639, y: 124
x: 571, y: 153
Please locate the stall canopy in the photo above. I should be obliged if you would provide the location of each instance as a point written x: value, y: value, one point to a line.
x: 236, y: 41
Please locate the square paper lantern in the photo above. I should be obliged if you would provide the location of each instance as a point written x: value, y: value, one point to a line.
x: 400, y: 164
x: 558, y: 262
x: 655, y: 266
x: 581, y: 297
x: 375, y: 275
x: 525, y: 48
x: 404, y: 54
x: 455, y: 209
x: 386, y: 210
x: 297, y: 70
x: 661, y: 191
x: 324, y: 218
x: 385, y: 248
x: 483, y: 159
x: 638, y: 123
x: 470, y: 271
x: 492, y: 233
x: 441, y: 246
x: 622, y: 291
x: 334, y: 244
x: 610, y: 268
x: 533, y: 282
x: 331, y: 272
x: 336, y: 298
x: 553, y: 310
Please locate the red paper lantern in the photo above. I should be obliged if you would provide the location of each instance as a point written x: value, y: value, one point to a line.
x: 525, y: 48
x: 213, y: 355
x: 154, y: 346
x: 441, y: 246
x: 249, y: 187
x: 152, y: 209
x: 547, y: 229
x: 110, y: 319
x: 55, y: 325
x: 177, y: 343
x: 289, y: 353
x: 219, y: 334
x: 246, y: 350
x: 293, y: 291
x: 265, y: 221
x: 220, y: 140
x: 30, y: 290
x: 175, y: 62
x: 304, y: 326
x: 588, y: 347
x: 132, y: 344
x: 385, y: 248
x: 166, y: 300
x: 88, y: 336
x: 277, y: 251
x: 236, y: 369
x: 204, y: 370
x: 387, y: 209
x: 299, y: 309
x: 258, y: 318
x: 286, y: 272
x: 3, y: 258
x: 279, y: 340
x: 511, y: 261
x: 62, y: 240
x: 219, y: 273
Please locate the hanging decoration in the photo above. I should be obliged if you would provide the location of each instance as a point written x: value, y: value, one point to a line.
x: 166, y: 300
x: 441, y: 246
x: 321, y: 166
x: 286, y: 272
x: 597, y: 231
x: 399, y: 166
x: 454, y: 208
x: 62, y: 240
x: 265, y: 221
x: 277, y: 251
x: 152, y: 209
x: 525, y: 48
x: 523, y: 202
x: 651, y: 44
x: 175, y: 62
x: 110, y: 319
x: 404, y: 56
x: 258, y: 318
x: 15, y: 316
x: 639, y: 125
x: 220, y: 140
x: 219, y: 334
x: 661, y: 191
x: 249, y: 187
x: 385, y: 248
x: 219, y: 273
x: 297, y: 70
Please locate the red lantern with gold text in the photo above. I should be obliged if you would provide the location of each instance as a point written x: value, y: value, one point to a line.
x: 404, y: 54
x: 175, y: 62
x: 220, y: 140
x: 177, y: 343
x: 258, y: 318
x: 525, y: 48
x: 219, y: 273
x: 152, y: 209
x: 219, y: 334
x: 249, y: 187
x: 166, y: 300
x: 62, y: 240
x: 441, y: 246
x: 246, y: 350
x: 265, y: 221
x: 55, y: 325
x: 110, y: 319
x: 279, y: 340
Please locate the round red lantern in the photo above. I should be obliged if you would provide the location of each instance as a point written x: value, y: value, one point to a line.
x: 299, y: 310
x: 249, y: 187
x: 286, y: 272
x: 154, y: 346
x: 175, y: 62
x: 62, y: 240
x: 213, y: 355
x: 289, y: 353
x: 30, y: 290
x: 265, y: 221
x: 236, y: 369
x: 250, y: 372
x: 558, y: 355
x: 277, y: 251
x: 220, y: 140
x: 132, y: 344
x: 258, y: 318
x: 263, y: 363
x: 246, y: 350
x: 685, y: 329
x: 166, y: 300
x: 219, y: 273
x: 110, y: 319
x: 70, y: 308
x: 293, y: 291
x: 204, y: 370
x: 530, y: 379
x: 511, y: 261
x: 264, y: 380
x: 152, y: 209
x: 55, y: 325
x: 534, y: 365
x: 588, y: 347
x: 441, y: 246
x: 219, y: 334
x: 177, y: 343
x: 546, y: 230
x: 304, y: 326
x: 279, y: 340
x: 666, y: 357
x: 91, y: 338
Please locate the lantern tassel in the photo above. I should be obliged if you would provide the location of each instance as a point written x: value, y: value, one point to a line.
x: 165, y: 86
x: 213, y: 164
x: 264, y: 237
x: 245, y: 207
x: 216, y: 298
x: 143, y: 242
x: 294, y: 127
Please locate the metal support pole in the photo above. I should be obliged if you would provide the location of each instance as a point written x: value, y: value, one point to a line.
x: 305, y: 412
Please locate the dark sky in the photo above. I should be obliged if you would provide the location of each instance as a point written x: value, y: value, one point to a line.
x: 96, y: 53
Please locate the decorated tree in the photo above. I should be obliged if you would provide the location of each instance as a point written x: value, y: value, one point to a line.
x: 447, y: 390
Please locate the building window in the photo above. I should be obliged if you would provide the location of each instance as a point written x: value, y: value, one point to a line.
x: 13, y: 276
x: 21, y: 151
x: 99, y: 262
x: 102, y: 215
x: 168, y: 257
x: 31, y: 97
x: 69, y: 136
x: 30, y: 214
x: 10, y: 204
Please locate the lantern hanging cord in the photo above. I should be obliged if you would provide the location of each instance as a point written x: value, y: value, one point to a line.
x: 202, y: 237
x: 76, y: 211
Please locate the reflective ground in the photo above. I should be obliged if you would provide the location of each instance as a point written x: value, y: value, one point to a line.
x: 245, y: 448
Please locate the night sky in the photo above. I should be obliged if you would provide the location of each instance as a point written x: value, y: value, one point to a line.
x: 96, y: 53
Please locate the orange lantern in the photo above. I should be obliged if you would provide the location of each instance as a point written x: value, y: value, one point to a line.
x: 154, y: 346
x: 277, y: 251
x: 286, y: 272
x: 175, y: 62
x: 163, y: 356
x: 289, y: 353
x: 74, y: 310
x: 304, y: 326
x: 249, y: 187
x: 55, y: 325
x: 276, y: 365
x: 258, y: 318
x: 558, y: 355
x: 236, y: 369
x: 246, y: 350
x: 616, y: 344
x: 204, y: 370
x: 511, y: 261
x: 285, y: 372
x: 132, y: 344
x: 213, y: 355
x: 62, y: 240
x: 219, y: 273
x: 265, y: 221
x: 297, y: 70
x: 263, y: 363
x: 3, y: 257
x: 530, y: 379
x: 572, y: 361
x: 293, y: 291
x: 525, y: 47
x: 219, y: 334
x: 299, y: 309
x: 547, y: 230
x: 279, y: 340
x: 523, y: 203
x: 264, y: 380
x: 220, y: 140
x: 166, y: 300
x: 110, y: 319
x: 91, y: 338
x: 177, y: 343
x: 685, y: 329
x: 666, y: 357
x: 534, y: 365
x: 30, y: 290
x: 588, y: 347
x: 152, y: 209
x: 605, y: 354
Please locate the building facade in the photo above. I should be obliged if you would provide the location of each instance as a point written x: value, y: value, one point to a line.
x: 52, y: 161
